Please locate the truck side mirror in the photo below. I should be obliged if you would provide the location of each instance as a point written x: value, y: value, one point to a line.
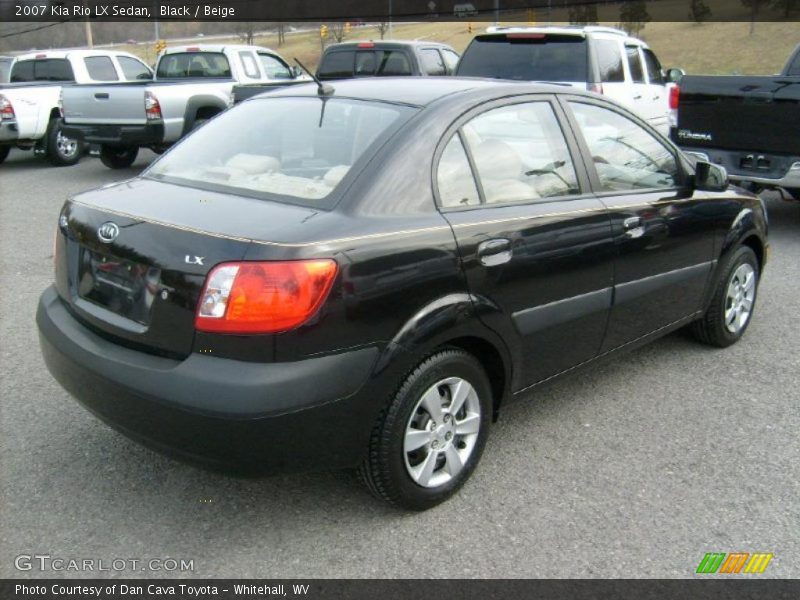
x: 709, y: 177
x: 674, y: 75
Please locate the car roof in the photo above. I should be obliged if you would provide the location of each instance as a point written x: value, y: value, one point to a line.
x: 387, y: 44
x: 416, y: 91
x: 214, y: 48
x: 45, y: 54
x: 579, y: 30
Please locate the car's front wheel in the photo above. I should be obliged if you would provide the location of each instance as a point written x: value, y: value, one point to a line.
x: 4, y: 150
x: 431, y: 436
x: 118, y: 157
x: 731, y: 309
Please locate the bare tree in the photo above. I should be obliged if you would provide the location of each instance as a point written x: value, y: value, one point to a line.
x: 383, y: 27
x: 583, y: 15
x: 699, y: 11
x: 281, y: 33
x: 633, y: 16
x: 338, y: 31
x: 787, y: 6
x: 247, y: 32
x: 755, y: 7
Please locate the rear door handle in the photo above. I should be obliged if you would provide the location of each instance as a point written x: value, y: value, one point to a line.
x: 494, y: 252
x: 101, y: 96
x: 639, y: 97
x: 632, y: 222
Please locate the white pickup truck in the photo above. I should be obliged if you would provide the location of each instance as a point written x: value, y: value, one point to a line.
x: 191, y: 85
x: 29, y: 104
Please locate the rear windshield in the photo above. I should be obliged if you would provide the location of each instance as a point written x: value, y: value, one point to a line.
x: 341, y: 64
x: 296, y: 150
x: 42, y: 69
x: 5, y: 68
x: 544, y: 58
x: 194, y: 65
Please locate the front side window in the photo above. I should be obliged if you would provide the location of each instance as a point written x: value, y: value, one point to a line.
x: 133, y: 69
x: 193, y: 65
x: 454, y: 177
x: 296, y: 150
x: 609, y: 61
x: 337, y: 64
x: 635, y: 64
x: 626, y: 156
x: 432, y: 62
x: 100, y: 68
x: 520, y: 154
x: 274, y: 68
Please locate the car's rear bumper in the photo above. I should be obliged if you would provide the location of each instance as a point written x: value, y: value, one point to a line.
x: 781, y: 171
x: 223, y: 413
x: 9, y: 132
x: 151, y: 134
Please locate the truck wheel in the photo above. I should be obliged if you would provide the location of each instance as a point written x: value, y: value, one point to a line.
x: 430, y: 437
x: 4, y: 150
x: 61, y: 150
x: 118, y: 157
x: 731, y: 309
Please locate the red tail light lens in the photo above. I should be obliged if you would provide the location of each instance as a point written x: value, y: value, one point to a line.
x: 152, y: 109
x: 6, y: 110
x: 263, y: 297
x: 674, y: 96
x: 366, y: 45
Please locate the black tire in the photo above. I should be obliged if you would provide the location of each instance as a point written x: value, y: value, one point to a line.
x: 4, y: 150
x: 711, y: 328
x: 62, y: 151
x: 384, y: 471
x: 118, y: 157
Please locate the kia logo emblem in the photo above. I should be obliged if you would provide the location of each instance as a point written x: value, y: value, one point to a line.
x: 107, y: 232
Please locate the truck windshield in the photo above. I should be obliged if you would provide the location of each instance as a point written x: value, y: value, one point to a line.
x: 296, y: 150
x: 526, y: 57
x: 193, y: 65
x: 42, y: 69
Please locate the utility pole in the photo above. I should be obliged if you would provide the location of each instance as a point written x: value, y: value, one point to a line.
x: 496, y: 12
x: 155, y: 12
x: 390, y: 19
x: 87, y: 25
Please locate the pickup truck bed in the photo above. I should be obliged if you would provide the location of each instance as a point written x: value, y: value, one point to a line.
x: 750, y: 125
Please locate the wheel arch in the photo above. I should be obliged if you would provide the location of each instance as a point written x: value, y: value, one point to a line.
x: 203, y: 106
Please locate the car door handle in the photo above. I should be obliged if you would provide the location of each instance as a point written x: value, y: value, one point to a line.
x: 633, y: 227
x: 494, y: 252
x: 101, y: 96
x: 639, y: 97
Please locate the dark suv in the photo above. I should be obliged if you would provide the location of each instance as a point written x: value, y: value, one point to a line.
x: 365, y: 276
x: 386, y: 59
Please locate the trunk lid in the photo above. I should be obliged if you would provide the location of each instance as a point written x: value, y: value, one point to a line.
x: 118, y: 103
x: 131, y: 259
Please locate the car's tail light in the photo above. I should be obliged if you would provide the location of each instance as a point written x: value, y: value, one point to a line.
x: 597, y: 88
x: 151, y: 107
x: 674, y: 96
x: 6, y: 109
x: 366, y: 45
x: 263, y: 297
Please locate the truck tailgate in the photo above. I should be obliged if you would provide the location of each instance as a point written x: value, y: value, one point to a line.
x: 740, y: 113
x: 118, y: 104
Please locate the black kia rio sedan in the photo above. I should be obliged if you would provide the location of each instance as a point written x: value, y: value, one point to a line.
x: 363, y: 276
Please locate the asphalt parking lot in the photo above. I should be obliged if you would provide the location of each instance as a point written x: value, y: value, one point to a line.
x: 636, y: 468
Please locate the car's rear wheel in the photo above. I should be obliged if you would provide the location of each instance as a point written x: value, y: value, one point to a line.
x: 431, y: 436
x: 4, y: 150
x: 118, y: 157
x: 62, y: 151
x: 731, y: 309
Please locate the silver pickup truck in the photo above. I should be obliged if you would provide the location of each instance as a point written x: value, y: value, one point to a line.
x: 191, y: 85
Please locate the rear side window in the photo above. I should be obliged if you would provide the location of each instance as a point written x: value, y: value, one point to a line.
x: 609, y: 61
x: 432, y: 62
x: 520, y: 154
x: 543, y: 58
x: 450, y: 60
x: 626, y: 156
x: 249, y: 65
x: 194, y: 65
x: 454, y: 177
x: 654, y: 72
x: 133, y: 69
x: 635, y: 64
x: 44, y: 69
x: 100, y: 68
x: 273, y: 67
x: 393, y: 62
x: 794, y: 68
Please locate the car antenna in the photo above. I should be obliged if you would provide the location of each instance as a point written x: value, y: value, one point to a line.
x: 323, y: 89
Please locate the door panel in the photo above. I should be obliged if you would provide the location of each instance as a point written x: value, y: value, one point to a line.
x: 664, y: 236
x: 536, y: 253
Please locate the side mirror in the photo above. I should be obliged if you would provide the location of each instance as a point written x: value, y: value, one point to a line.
x: 709, y: 177
x: 675, y: 75
x: 297, y: 72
